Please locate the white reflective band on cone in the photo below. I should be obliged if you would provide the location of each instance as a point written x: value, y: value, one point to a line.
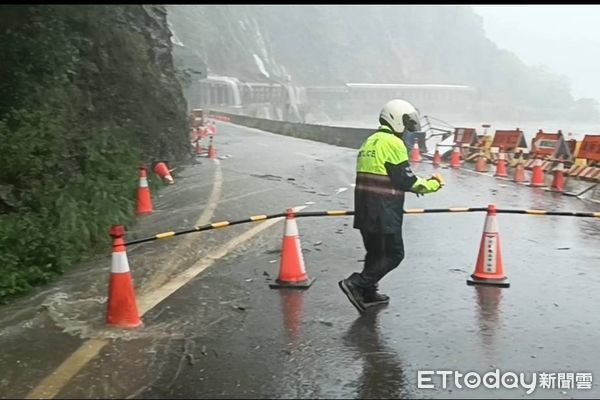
x: 120, y: 265
x: 560, y: 167
x: 291, y: 228
x: 143, y: 182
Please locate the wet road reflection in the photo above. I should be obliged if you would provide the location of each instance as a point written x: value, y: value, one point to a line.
x: 292, y: 309
x: 489, y: 314
x: 382, y: 374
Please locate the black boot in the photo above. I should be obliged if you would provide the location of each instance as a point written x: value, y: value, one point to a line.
x: 374, y: 298
x: 353, y: 293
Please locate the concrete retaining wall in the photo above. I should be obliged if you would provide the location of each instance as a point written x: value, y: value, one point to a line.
x: 336, y: 135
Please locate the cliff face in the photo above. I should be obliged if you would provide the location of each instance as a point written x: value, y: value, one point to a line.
x: 87, y: 92
x: 329, y: 45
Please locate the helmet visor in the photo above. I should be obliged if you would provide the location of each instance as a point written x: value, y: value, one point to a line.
x: 411, y: 122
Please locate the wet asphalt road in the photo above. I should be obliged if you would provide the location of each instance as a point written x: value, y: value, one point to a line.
x: 226, y: 334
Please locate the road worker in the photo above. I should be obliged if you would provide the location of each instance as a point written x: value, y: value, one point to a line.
x: 383, y: 176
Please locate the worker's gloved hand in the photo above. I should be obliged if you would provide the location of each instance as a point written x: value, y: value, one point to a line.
x: 431, y: 181
x: 438, y: 177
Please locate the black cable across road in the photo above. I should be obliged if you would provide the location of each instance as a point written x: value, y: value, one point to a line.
x: 337, y: 213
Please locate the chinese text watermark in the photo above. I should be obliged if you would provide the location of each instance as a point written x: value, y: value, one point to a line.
x: 509, y: 380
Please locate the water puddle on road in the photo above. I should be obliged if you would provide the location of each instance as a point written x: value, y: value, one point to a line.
x: 74, y: 317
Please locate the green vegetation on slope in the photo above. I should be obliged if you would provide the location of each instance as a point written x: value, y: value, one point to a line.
x: 87, y: 93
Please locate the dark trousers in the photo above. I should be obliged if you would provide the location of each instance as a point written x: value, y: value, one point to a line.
x: 384, y: 253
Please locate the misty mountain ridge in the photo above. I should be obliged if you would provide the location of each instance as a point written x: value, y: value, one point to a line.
x: 325, y: 45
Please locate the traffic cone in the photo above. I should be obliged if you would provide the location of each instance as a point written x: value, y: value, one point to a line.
x: 537, y: 177
x: 144, y: 199
x: 501, y: 166
x: 292, y: 273
x: 415, y: 154
x: 519, y: 173
x: 437, y: 158
x: 212, y: 152
x: 558, y: 183
x: 162, y: 171
x: 481, y: 163
x: 489, y: 269
x: 122, y: 309
x: 455, y: 159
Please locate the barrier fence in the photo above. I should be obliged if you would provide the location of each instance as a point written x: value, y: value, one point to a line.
x: 333, y: 213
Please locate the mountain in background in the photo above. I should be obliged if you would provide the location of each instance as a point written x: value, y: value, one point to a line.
x: 333, y: 45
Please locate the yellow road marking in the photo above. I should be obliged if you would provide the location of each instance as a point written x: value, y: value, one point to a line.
x: 54, y: 382
x: 414, y: 210
x: 258, y: 217
x: 51, y: 385
x: 220, y: 224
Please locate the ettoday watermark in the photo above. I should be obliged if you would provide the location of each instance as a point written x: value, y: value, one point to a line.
x: 496, y: 379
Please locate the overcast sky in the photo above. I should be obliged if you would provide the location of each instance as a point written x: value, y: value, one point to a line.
x: 564, y: 38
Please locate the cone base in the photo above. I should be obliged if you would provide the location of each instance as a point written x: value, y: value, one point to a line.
x: 144, y: 212
x: 140, y: 324
x: 292, y: 285
x: 537, y: 185
x: 489, y: 282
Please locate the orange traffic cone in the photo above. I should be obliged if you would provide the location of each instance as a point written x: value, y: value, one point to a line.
x: 537, y: 177
x: 122, y: 309
x: 415, y: 154
x: 162, y: 170
x: 481, y: 163
x: 489, y: 269
x: 501, y: 166
x: 519, y: 173
x: 212, y: 152
x: 558, y: 183
x: 455, y: 159
x: 437, y: 159
x: 144, y: 199
x: 292, y: 273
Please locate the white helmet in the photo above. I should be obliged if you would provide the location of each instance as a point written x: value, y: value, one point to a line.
x: 400, y: 115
